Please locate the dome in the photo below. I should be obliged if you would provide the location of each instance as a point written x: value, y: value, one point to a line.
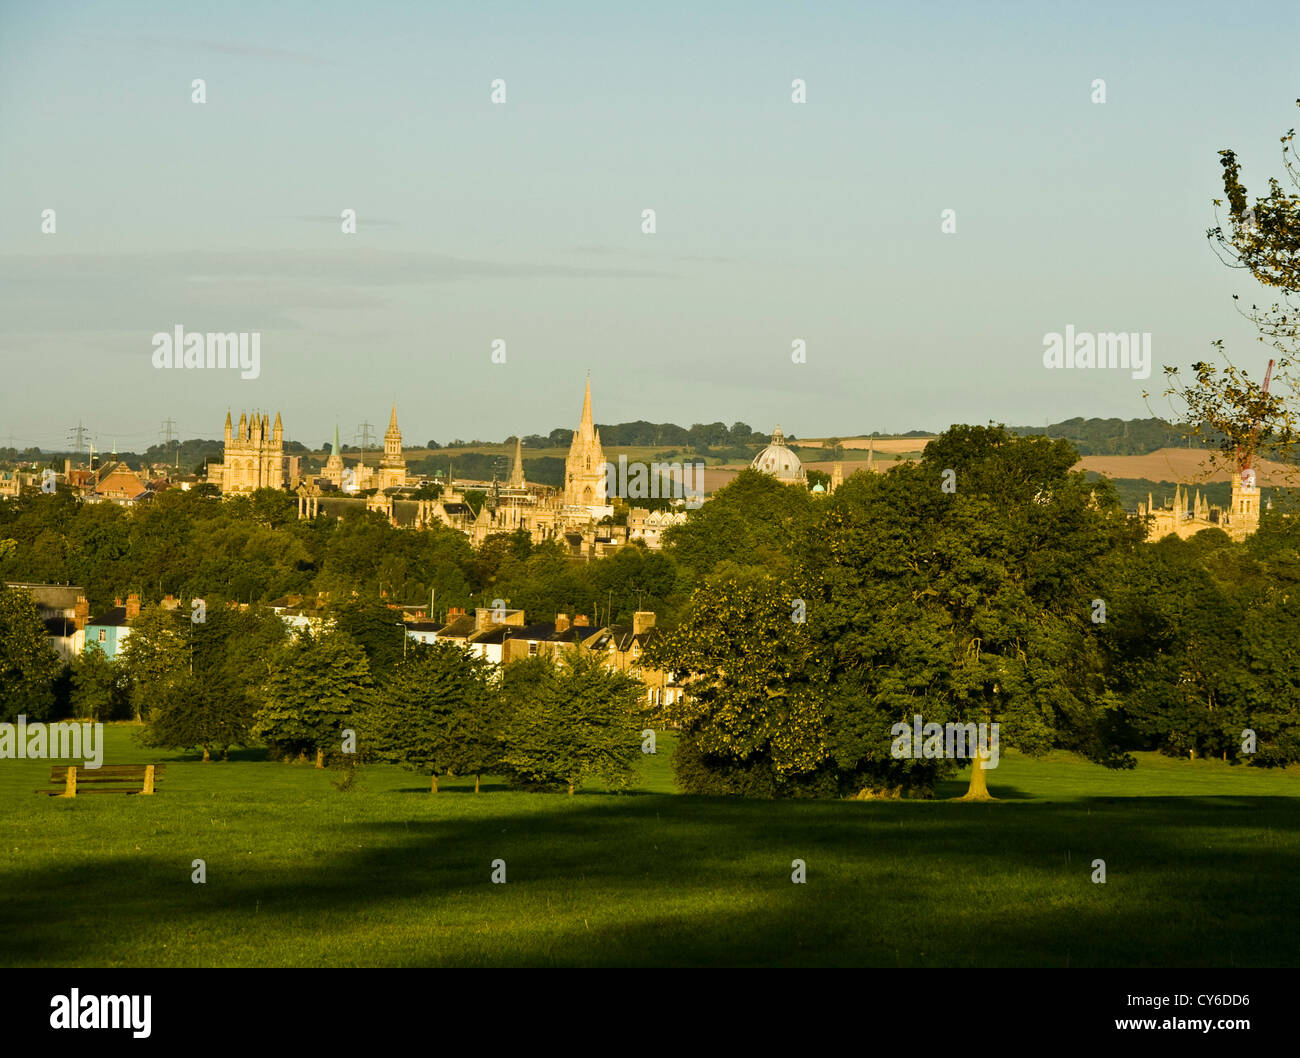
x: 778, y: 461
x: 818, y: 488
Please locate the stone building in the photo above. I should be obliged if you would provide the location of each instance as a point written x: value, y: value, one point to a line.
x: 584, y: 469
x: 1190, y: 514
x: 253, y: 457
x: 780, y: 462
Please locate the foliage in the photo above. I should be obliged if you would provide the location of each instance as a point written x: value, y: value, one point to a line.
x: 567, y: 722
x: 314, y: 684
x: 435, y: 714
x: 28, y: 664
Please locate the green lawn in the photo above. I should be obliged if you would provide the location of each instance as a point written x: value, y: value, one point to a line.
x: 1201, y: 858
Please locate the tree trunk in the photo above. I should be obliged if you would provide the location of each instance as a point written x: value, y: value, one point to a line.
x: 206, y: 755
x: 979, y: 784
x: 476, y: 783
x: 320, y: 758
x: 570, y: 789
x: 433, y: 783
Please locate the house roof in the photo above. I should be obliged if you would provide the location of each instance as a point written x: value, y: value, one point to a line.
x: 51, y: 596
x: 460, y: 628
x: 115, y: 616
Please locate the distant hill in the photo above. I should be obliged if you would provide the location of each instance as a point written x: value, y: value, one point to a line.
x: 1116, y: 437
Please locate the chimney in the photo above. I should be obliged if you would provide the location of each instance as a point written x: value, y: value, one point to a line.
x: 561, y: 622
x: 81, y: 612
x: 132, y: 606
x: 169, y: 602
x: 642, y: 620
x: 581, y: 621
x: 117, y: 602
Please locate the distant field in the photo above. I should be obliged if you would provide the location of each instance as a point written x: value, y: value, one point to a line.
x: 1201, y: 861
x: 1182, y: 465
x: 890, y: 445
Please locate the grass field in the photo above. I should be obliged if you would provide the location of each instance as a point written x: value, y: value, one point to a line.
x: 1201, y: 860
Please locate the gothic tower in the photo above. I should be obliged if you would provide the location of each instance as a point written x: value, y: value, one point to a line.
x: 584, y: 470
x: 253, y: 457
x: 1243, y: 516
x: 334, y: 465
x: 392, y: 468
x: 517, y: 471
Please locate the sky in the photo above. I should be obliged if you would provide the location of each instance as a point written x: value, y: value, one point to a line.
x: 522, y: 221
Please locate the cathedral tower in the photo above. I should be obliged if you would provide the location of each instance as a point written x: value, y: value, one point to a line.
x: 253, y: 456
x: 334, y: 465
x: 584, y: 470
x: 392, y: 468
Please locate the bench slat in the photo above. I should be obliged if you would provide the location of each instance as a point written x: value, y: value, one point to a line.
x: 58, y: 771
x: 80, y: 791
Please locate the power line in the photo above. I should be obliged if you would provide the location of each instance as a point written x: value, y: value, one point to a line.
x: 77, y: 435
x: 366, y: 433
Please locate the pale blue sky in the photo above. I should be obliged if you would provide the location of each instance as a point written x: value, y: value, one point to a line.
x: 776, y: 221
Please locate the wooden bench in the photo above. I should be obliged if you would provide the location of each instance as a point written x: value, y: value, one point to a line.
x: 118, y: 778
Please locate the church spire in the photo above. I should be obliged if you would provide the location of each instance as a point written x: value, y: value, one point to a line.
x: 336, y: 439
x: 517, y: 471
x: 392, y: 419
x: 585, y: 427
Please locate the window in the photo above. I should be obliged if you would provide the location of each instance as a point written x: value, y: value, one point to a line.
x: 103, y: 635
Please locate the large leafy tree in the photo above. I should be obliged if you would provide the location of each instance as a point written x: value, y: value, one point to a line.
x: 154, y: 657
x: 567, y: 722
x: 376, y: 628
x: 755, y: 718
x: 312, y: 687
x: 748, y: 523
x: 97, y: 688
x: 28, y: 664
x: 434, y: 714
x: 214, y: 705
x: 974, y: 602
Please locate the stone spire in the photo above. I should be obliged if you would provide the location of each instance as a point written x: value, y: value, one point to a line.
x: 392, y: 468
x: 584, y: 476
x: 585, y: 427
x: 517, y: 472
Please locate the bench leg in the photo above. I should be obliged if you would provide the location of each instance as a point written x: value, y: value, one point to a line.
x: 70, y: 787
x: 148, y: 779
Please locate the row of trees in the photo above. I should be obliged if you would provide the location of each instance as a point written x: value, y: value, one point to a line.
x: 985, y: 584
x: 349, y: 691
x: 254, y: 549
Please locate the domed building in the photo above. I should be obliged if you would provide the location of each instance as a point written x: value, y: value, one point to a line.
x: 780, y: 462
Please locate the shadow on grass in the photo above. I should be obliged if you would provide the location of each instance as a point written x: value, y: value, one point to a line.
x: 667, y: 880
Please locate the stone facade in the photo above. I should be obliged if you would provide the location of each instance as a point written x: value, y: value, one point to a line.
x: 253, y: 457
x: 584, y: 469
x: 1239, y: 520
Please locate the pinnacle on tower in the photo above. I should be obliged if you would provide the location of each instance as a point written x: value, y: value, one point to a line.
x: 337, y: 450
x: 392, y: 419
x: 585, y: 426
x: 517, y: 472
